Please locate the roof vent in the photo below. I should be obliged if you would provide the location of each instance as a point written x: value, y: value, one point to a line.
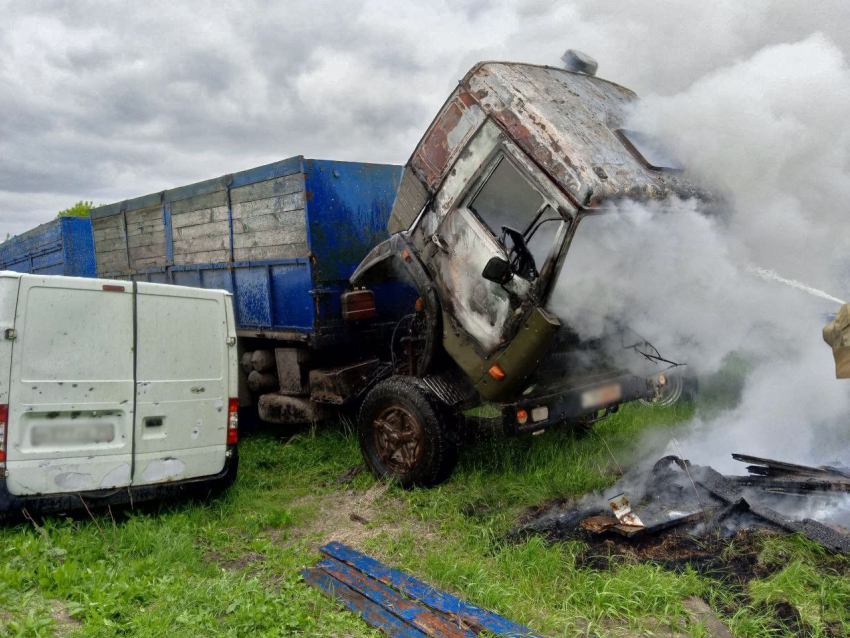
x: 579, y: 62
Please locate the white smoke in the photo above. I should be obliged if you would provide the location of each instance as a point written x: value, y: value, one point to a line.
x: 771, y: 129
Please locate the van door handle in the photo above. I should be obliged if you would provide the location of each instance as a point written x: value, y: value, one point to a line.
x: 153, y: 421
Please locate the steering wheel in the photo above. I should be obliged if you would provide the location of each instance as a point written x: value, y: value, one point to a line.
x: 519, y: 256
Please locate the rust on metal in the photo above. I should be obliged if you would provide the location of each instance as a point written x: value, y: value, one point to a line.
x: 398, y: 438
x: 623, y: 511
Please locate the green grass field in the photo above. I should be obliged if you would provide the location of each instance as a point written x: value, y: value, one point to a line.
x: 229, y: 566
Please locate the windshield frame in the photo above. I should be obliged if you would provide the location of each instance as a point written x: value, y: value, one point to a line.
x: 551, y: 201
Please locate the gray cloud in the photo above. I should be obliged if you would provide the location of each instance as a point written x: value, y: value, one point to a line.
x: 107, y: 101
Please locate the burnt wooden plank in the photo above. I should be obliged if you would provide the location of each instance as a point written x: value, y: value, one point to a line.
x: 431, y: 596
x: 418, y: 616
x: 373, y: 614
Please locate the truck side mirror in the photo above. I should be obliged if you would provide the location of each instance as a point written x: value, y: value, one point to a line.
x: 498, y: 271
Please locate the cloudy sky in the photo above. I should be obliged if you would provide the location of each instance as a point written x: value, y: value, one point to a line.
x: 104, y: 101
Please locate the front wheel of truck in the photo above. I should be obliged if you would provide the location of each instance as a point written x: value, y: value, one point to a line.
x: 407, y: 434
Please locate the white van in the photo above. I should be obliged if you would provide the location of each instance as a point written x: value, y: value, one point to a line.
x: 113, y: 391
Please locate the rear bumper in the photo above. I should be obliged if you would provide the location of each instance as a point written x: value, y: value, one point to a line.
x: 567, y: 405
x: 12, y: 505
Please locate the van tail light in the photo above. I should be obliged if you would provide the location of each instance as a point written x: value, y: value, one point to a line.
x: 233, y: 422
x: 4, y: 419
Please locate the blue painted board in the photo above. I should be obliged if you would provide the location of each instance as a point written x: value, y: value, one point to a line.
x: 431, y: 596
x: 420, y: 617
x: 63, y: 246
x: 373, y: 614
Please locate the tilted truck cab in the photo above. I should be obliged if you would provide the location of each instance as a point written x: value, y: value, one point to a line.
x: 488, y: 205
x: 113, y: 391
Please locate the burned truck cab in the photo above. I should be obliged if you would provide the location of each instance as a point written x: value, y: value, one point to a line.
x: 488, y: 205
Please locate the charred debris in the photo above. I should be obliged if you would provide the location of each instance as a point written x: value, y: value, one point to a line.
x: 676, y: 496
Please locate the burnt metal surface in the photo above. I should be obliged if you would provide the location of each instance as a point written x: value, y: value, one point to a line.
x: 677, y: 493
x: 398, y: 438
x: 396, y: 602
x: 567, y: 122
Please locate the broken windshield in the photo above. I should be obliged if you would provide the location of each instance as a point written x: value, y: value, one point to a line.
x: 508, y: 199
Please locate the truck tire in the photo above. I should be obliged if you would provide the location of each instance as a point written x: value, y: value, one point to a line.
x: 407, y: 434
x: 680, y: 387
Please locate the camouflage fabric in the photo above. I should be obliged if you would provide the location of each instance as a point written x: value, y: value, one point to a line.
x: 837, y: 335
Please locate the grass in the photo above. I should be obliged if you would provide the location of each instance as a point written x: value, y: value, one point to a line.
x: 229, y: 566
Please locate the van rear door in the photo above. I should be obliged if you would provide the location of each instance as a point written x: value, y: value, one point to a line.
x: 182, y: 373
x: 71, y: 390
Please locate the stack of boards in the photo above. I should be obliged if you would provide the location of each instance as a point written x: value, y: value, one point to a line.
x: 400, y: 605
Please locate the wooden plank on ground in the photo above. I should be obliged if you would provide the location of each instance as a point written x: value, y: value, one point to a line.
x: 374, y: 615
x: 418, y: 616
x: 431, y: 596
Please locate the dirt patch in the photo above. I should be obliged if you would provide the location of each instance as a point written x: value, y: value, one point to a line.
x: 64, y: 624
x: 240, y: 561
x: 352, y: 517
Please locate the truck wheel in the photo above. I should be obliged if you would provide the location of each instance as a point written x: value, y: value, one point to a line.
x: 679, y: 388
x: 406, y: 433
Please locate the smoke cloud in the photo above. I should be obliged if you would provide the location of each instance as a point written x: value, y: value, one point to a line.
x: 768, y: 128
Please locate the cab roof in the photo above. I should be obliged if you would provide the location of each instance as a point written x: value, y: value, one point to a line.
x: 570, y: 123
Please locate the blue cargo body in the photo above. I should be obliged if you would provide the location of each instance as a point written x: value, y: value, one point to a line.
x: 283, y: 238
x: 60, y: 247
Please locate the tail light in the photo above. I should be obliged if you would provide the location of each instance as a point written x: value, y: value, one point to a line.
x: 233, y: 422
x: 4, y: 418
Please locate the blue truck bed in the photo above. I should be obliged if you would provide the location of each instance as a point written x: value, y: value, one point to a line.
x: 59, y: 247
x: 283, y: 238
